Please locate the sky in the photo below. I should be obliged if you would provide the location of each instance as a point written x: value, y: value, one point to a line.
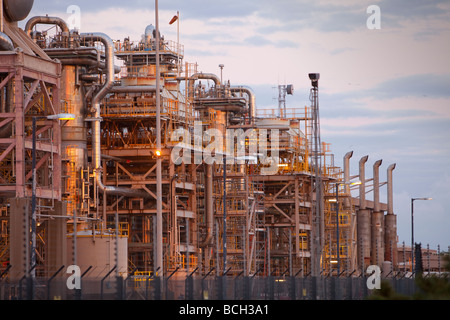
x: 383, y: 92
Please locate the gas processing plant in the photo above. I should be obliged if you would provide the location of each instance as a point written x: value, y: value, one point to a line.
x: 120, y: 155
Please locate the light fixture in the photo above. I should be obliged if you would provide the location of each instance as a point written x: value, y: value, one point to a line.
x: 61, y: 116
x: 158, y: 153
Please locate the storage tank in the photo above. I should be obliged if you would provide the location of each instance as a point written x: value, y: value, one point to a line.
x: 99, y: 251
x: 17, y: 10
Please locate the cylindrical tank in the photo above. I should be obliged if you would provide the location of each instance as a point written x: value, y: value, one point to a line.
x: 364, y: 238
x: 377, y: 253
x: 390, y: 238
x: 73, y: 136
x: 17, y: 10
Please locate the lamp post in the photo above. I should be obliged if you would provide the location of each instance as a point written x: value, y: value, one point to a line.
x: 412, y: 229
x: 337, y: 184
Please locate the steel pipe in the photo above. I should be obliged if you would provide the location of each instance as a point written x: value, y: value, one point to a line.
x: 251, y: 99
x: 390, y: 195
x: 362, y: 186
x: 209, y: 205
x: 96, y: 133
x: 46, y: 20
x: 376, y: 186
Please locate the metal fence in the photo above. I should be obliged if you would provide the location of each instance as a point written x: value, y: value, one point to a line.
x: 200, y: 288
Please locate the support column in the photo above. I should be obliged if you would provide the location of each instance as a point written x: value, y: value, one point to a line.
x: 57, y: 240
x: 363, y: 220
x: 377, y: 246
x: 19, y: 238
x: 390, y: 223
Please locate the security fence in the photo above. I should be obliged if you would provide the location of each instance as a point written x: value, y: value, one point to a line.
x: 201, y: 288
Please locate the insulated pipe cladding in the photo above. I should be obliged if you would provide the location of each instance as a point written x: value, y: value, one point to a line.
x: 377, y: 248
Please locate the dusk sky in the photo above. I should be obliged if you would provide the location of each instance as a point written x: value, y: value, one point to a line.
x: 383, y: 92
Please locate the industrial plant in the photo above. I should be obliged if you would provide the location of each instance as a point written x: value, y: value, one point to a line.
x: 121, y: 158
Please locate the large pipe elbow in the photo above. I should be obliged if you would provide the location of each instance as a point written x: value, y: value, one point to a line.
x: 376, y: 185
x: 362, y: 186
x: 207, y: 76
x: 251, y: 98
x: 347, y: 157
x: 46, y: 20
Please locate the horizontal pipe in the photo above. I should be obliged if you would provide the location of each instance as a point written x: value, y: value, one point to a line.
x: 132, y: 89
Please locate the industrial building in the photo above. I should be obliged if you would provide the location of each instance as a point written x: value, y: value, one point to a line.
x: 121, y: 156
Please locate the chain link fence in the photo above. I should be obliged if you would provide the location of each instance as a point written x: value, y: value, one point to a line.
x: 200, y: 288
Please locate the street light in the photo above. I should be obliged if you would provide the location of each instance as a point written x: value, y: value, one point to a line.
x: 337, y: 184
x: 412, y: 229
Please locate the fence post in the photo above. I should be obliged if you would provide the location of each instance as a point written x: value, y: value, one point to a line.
x: 50, y: 280
x: 189, y: 286
x: 203, y: 283
x: 101, y: 282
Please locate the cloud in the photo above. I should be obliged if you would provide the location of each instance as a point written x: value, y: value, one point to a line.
x: 417, y: 85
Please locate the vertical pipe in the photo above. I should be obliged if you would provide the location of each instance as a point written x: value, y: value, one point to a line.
x: 376, y: 185
x: 377, y: 218
x: 390, y: 195
x: 224, y: 233
x: 362, y: 186
x: 390, y: 225
x: 297, y: 219
x: 159, y: 228
x: 363, y: 218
